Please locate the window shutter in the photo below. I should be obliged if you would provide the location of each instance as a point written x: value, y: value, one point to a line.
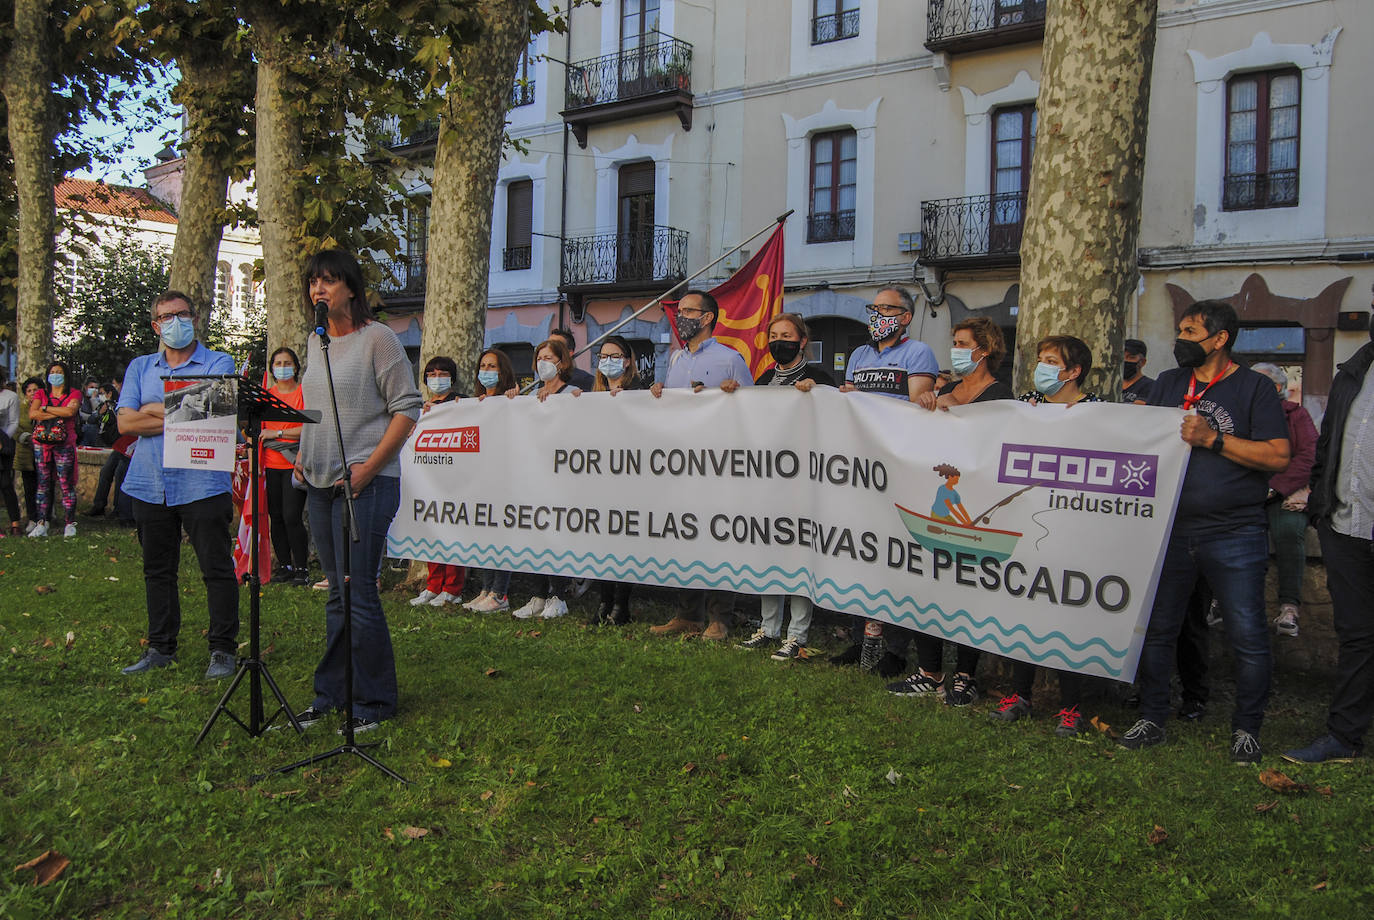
x: 519, y: 214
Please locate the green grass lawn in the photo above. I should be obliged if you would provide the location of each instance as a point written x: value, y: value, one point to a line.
x: 605, y: 773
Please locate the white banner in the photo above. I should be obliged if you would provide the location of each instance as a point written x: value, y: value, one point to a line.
x: 200, y: 422
x: 1034, y: 532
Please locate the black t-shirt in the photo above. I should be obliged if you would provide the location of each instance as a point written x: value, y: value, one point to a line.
x: 582, y: 380
x: 1219, y: 495
x: 995, y: 390
x: 1140, y: 390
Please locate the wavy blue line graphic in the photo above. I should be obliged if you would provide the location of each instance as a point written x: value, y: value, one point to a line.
x: 846, y: 598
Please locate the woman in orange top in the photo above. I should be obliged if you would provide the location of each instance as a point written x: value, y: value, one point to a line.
x: 286, y: 503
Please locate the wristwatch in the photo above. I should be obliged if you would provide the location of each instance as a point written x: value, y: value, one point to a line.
x: 1218, y: 442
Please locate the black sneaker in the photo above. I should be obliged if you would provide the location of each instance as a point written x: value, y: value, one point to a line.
x: 361, y: 725
x: 963, y: 691
x: 789, y: 650
x: 1245, y: 748
x: 917, y: 684
x: 1011, y: 708
x: 309, y: 716
x: 759, y: 639
x: 222, y: 665
x: 1192, y: 710
x: 1071, y: 723
x: 848, y: 656
x: 149, y: 660
x: 1143, y: 734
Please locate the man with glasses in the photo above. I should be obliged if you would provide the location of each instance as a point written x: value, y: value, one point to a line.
x: 166, y: 501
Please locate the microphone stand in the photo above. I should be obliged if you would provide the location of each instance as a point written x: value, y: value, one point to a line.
x: 349, y: 532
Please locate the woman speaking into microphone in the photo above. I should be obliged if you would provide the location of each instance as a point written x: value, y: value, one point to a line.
x: 378, y: 404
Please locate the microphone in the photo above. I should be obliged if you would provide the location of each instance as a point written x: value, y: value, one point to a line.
x: 321, y: 318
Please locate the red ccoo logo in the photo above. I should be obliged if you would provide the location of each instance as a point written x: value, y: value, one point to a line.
x: 449, y: 440
x: 202, y: 453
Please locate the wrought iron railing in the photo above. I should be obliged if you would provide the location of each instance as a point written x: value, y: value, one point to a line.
x: 835, y: 26
x: 951, y: 20
x: 522, y: 93
x: 424, y: 133
x: 1246, y: 191
x: 977, y: 228
x: 650, y: 254
x: 830, y: 227
x: 662, y: 67
x: 402, y: 276
x: 515, y: 258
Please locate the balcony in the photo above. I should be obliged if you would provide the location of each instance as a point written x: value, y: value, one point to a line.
x: 653, y: 78
x: 522, y: 93
x: 515, y: 258
x: 402, y: 279
x: 627, y: 261
x: 982, y: 231
x: 830, y: 227
x: 834, y: 27
x: 425, y: 134
x: 1277, y: 188
x: 970, y: 25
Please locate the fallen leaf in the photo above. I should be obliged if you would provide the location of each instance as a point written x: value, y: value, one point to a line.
x: 1320, y: 886
x: 893, y: 776
x: 48, y: 643
x: 530, y: 782
x: 1013, y: 786
x: 688, y: 767
x: 1262, y: 807
x: 486, y: 795
x: 1157, y: 836
x: 386, y: 832
x: 534, y: 634
x: 492, y: 672
x: 112, y: 578
x: 143, y: 699
x: 415, y: 833
x: 143, y: 642
x: 637, y: 708
x: 838, y: 902
x: 43, y: 589
x: 1101, y: 726
x: 721, y: 758
x: 440, y: 762
x: 813, y: 861
x: 46, y: 867
x: 71, y: 640
x: 1325, y: 790
x: 1281, y: 783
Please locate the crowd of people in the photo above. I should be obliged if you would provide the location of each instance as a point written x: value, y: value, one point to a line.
x: 1258, y: 470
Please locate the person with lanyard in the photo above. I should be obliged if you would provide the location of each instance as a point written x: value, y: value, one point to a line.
x: 495, y: 376
x: 701, y: 362
x: 444, y: 584
x: 788, y: 338
x: 281, y: 441
x: 899, y: 368
x: 56, y: 461
x: 1239, y: 438
x: 168, y: 501
x: 1135, y: 386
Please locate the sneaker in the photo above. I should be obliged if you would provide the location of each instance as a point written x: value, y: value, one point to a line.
x: 496, y: 604
x: 222, y: 665
x: 70, y: 531
x: 554, y: 608
x: 1325, y: 749
x: 1143, y: 734
x: 1245, y: 748
x: 424, y: 597
x: 790, y: 650
x: 1214, y: 614
x: 717, y: 631
x: 442, y: 598
x: 150, y: 659
x: 532, y: 608
x: 1011, y: 708
x: 963, y: 691
x: 759, y: 639
x: 676, y: 626
x: 361, y: 725
x: 1071, y: 723
x: 848, y: 656
x: 472, y: 604
x: 1287, y: 623
x: 28, y: 529
x: 917, y: 684
x: 300, y: 578
x: 321, y: 585
x: 1191, y: 710
x: 307, y: 717
x: 39, y: 530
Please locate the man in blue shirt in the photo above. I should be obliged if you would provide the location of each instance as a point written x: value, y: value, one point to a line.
x: 168, y: 500
x: 893, y: 365
x: 702, y: 362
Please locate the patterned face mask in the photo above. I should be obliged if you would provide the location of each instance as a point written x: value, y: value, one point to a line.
x: 882, y: 328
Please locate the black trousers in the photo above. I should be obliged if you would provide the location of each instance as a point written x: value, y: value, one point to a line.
x: 7, y: 489
x: 286, y: 509
x: 109, y: 474
x: 1350, y: 578
x: 206, y: 522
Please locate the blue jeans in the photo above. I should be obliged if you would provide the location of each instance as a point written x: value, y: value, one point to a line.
x: 496, y: 581
x: 1233, y: 564
x: 374, y: 665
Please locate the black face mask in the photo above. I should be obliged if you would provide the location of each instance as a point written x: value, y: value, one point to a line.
x: 1189, y: 353
x: 1129, y: 369
x: 783, y: 351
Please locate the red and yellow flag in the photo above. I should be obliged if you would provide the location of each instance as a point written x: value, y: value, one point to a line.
x: 748, y: 299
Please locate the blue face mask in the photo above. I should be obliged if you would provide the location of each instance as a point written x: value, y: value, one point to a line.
x: 283, y: 373
x: 439, y: 385
x: 961, y: 361
x: 1047, y: 379
x: 488, y: 379
x: 611, y: 368
x: 177, y: 332
x: 56, y: 380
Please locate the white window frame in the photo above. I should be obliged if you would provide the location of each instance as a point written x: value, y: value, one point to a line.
x: 803, y: 256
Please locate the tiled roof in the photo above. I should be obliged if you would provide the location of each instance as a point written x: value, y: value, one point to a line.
x: 115, y: 200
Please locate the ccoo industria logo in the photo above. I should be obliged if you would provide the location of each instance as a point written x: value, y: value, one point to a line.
x: 1072, y: 468
x: 449, y: 441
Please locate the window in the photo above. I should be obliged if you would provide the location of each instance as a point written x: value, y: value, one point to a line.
x: 243, y: 292
x: 635, y: 249
x: 1015, y: 12
x: 638, y: 24
x: 834, y: 176
x: 1013, y: 143
x: 522, y: 93
x: 519, y: 225
x: 1262, y: 116
x: 223, y: 278
x: 833, y: 20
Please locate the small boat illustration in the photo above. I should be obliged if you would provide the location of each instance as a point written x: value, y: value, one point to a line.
x: 952, y: 537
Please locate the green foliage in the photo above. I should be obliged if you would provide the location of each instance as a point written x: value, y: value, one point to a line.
x: 607, y: 773
x: 247, y: 342
x: 107, y: 323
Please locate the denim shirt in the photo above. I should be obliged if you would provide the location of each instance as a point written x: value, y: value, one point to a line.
x: 146, y: 479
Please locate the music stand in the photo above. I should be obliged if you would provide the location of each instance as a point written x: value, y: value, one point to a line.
x: 255, y: 406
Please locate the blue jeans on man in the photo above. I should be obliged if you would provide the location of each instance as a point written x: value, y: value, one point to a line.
x: 374, y: 664
x: 1234, y: 564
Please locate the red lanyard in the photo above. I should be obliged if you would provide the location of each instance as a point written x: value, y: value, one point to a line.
x: 1190, y: 400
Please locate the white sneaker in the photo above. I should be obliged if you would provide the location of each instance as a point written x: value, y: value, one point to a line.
x: 28, y: 529
x: 424, y: 597
x: 442, y: 598
x: 472, y: 604
x: 69, y: 530
x: 39, y: 530
x: 496, y: 604
x: 532, y: 608
x: 1287, y: 623
x: 553, y: 608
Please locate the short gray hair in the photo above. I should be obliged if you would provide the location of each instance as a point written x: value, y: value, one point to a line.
x: 1273, y: 372
x: 908, y: 301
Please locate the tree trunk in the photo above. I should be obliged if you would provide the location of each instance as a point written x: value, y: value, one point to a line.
x: 204, y: 188
x: 280, y: 201
x: 1078, y: 252
x: 28, y: 92
x: 466, y: 160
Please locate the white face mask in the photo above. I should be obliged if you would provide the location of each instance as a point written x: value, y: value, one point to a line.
x: 546, y: 370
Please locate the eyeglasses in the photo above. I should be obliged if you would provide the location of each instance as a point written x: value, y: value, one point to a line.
x: 180, y: 314
x: 610, y: 356
x: 884, y: 309
x: 692, y: 311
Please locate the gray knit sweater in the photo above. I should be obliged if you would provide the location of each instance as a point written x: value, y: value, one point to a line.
x: 373, y: 380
